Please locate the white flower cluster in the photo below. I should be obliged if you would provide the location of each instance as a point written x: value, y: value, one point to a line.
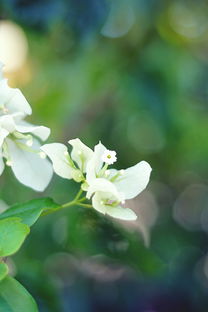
x: 20, y: 149
x: 19, y: 146
x: 108, y: 188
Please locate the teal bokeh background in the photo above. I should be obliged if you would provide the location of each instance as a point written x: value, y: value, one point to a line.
x: 134, y: 75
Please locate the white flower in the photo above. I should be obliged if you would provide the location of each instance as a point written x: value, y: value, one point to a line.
x: 21, y: 150
x: 107, y: 200
x: 109, y: 157
x: 131, y: 181
x: 109, y: 188
x: 17, y: 144
x: 12, y: 100
x: 65, y: 166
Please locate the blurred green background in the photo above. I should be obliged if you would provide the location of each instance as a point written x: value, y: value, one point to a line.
x: 133, y: 74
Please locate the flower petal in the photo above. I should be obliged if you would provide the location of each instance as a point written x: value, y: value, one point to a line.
x: 39, y: 131
x: 121, y: 213
x: 7, y: 122
x: 1, y: 163
x: 56, y: 152
x: 13, y: 99
x: 3, y: 135
x: 81, y: 153
x: 97, y: 203
x: 105, y: 186
x: 28, y: 167
x: 134, y: 180
x: 95, y: 164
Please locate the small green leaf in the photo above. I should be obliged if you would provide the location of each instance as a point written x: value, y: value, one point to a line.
x: 12, y: 235
x: 3, y: 270
x: 30, y: 211
x: 14, y: 297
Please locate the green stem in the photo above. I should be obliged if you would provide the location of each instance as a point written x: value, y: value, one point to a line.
x: 71, y: 203
x: 78, y: 195
x: 84, y: 205
x: 77, y: 201
x: 82, y: 199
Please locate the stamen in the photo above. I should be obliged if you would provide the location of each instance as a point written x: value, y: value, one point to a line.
x: 102, y: 171
x: 107, y: 172
x: 42, y: 155
x: 29, y: 142
x: 117, y: 175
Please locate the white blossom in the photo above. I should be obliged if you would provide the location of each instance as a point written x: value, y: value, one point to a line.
x: 18, y: 140
x: 11, y: 99
x: 113, y: 187
x: 107, y: 188
x: 107, y: 200
x: 109, y: 157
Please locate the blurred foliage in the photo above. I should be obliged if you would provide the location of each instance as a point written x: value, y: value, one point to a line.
x: 133, y: 74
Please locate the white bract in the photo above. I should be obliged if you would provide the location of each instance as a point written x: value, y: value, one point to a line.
x: 108, y: 188
x: 18, y: 139
x: 66, y: 166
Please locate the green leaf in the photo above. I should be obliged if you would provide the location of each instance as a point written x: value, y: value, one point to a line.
x: 15, y: 298
x: 30, y: 211
x: 12, y: 235
x: 3, y: 270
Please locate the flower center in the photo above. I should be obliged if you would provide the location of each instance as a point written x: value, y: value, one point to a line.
x: 109, y: 157
x: 109, y: 202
